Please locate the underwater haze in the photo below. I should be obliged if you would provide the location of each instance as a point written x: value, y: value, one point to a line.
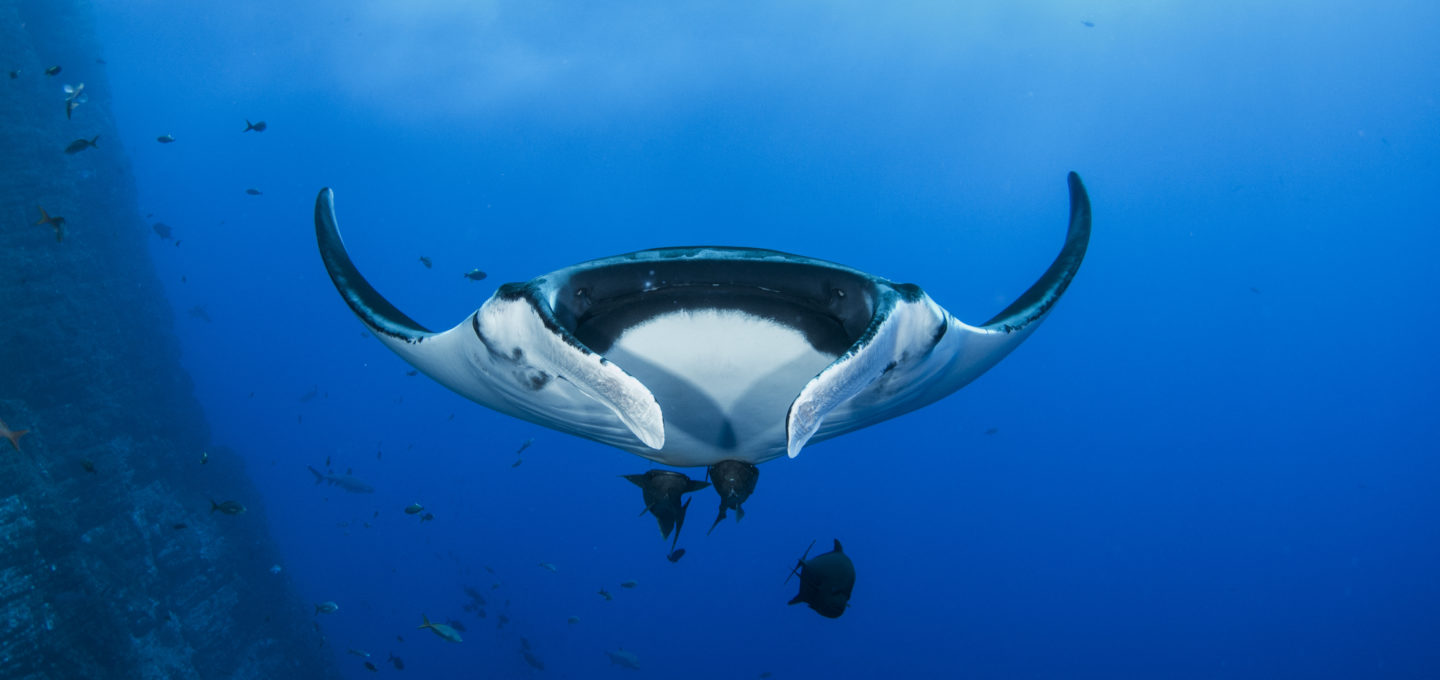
x: 1215, y: 459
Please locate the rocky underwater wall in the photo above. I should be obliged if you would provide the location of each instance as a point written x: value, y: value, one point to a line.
x: 112, y: 564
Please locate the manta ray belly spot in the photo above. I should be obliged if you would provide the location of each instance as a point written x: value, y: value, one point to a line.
x: 724, y: 353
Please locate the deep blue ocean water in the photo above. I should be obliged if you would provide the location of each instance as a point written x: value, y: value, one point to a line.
x: 1215, y: 459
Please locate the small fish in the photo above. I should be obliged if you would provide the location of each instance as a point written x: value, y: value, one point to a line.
x: 89, y: 466
x: 13, y: 435
x: 275, y: 569
x: 517, y: 462
x: 395, y: 661
x: 427, y: 517
x: 494, y: 586
x: 412, y: 373
x: 549, y: 567
x: 425, y: 261
x: 14, y: 75
x: 765, y: 674
x: 605, y: 594
x: 476, y: 275
x: 502, y: 621
x: 205, y: 455
x: 524, y: 445
x: 82, y: 144
x: 533, y: 660
x: 52, y: 71
x: 199, y: 312
x: 165, y: 139
x: 414, y: 509
x: 257, y: 126
x: 179, y: 525
x: 1088, y: 24
x: 74, y: 97
x: 370, y: 667
x: 327, y: 607
x: 227, y: 508
x: 162, y: 230
x: 359, y: 652
x: 629, y: 584
x: 573, y: 620
x: 992, y: 430
x: 676, y: 555
x: 253, y: 192
x: 56, y: 221
x: 445, y: 632
x: 489, y: 568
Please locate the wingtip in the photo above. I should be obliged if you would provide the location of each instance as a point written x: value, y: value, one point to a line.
x: 1035, y: 303
x: 1079, y: 204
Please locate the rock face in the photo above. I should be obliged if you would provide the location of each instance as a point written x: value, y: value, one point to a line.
x: 119, y: 572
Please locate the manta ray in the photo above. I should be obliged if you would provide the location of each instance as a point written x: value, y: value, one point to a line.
x: 692, y: 356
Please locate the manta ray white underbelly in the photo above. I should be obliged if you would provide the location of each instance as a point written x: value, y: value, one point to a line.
x: 692, y: 356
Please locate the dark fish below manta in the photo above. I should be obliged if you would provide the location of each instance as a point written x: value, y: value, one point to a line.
x: 692, y: 356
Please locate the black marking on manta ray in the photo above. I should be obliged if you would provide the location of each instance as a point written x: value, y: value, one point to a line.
x: 530, y: 292
x: 940, y: 332
x: 909, y: 292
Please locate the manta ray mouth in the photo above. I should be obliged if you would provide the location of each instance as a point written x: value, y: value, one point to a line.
x: 829, y: 306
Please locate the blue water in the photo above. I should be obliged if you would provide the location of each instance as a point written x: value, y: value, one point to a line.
x: 1215, y: 459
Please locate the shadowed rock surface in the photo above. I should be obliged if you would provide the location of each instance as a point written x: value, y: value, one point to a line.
x: 95, y: 580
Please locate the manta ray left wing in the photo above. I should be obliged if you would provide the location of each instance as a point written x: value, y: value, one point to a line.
x: 510, y: 355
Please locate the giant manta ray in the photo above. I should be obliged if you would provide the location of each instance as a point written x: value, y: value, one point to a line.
x: 702, y: 355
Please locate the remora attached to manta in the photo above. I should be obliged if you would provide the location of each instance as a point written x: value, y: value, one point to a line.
x: 693, y: 356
